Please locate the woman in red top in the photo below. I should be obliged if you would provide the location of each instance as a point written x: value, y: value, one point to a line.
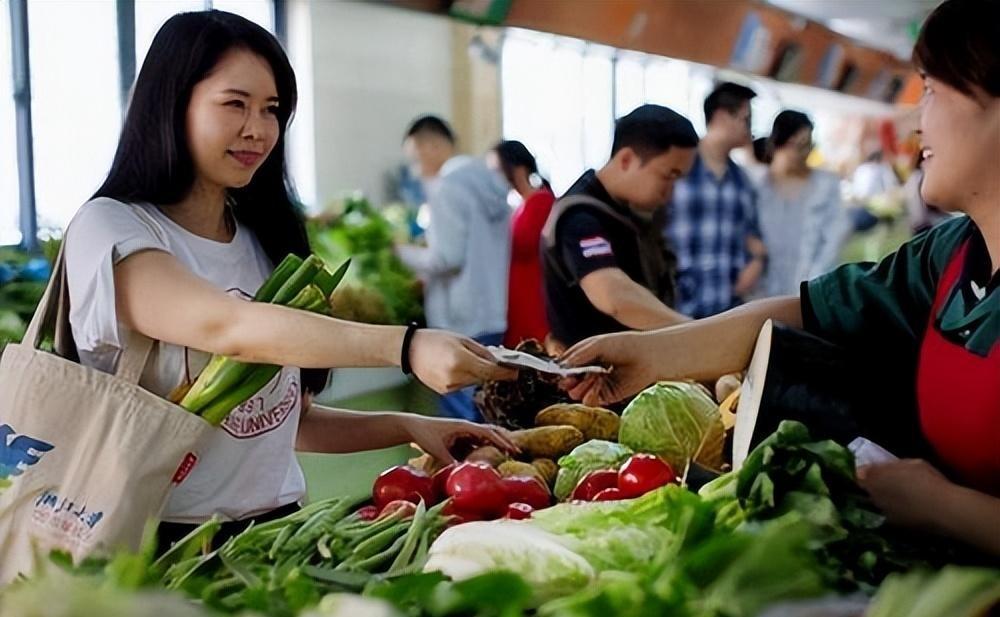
x: 525, y: 304
x: 932, y: 307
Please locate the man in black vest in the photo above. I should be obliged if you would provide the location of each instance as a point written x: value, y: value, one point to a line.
x: 605, y: 264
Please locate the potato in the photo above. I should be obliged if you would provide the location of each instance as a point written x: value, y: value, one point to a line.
x: 548, y: 469
x: 487, y: 454
x: 593, y: 422
x: 547, y: 441
x: 517, y: 468
x: 726, y: 385
x: 426, y: 463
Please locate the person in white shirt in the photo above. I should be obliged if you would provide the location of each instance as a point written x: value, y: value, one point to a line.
x: 801, y: 215
x: 194, y: 214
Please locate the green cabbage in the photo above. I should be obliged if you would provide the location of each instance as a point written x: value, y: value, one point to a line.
x: 677, y: 421
x: 585, y: 458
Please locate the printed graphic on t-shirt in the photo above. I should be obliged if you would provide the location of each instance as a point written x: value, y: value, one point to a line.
x: 595, y: 246
x: 266, y: 410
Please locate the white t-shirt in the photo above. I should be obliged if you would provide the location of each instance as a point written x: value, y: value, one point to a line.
x: 249, y: 464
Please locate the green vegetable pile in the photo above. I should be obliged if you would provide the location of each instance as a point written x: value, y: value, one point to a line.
x: 380, y: 289
x: 594, y: 455
x: 279, y: 568
x: 790, y: 525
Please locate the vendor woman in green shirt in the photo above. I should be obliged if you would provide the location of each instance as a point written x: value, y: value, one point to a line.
x: 932, y: 307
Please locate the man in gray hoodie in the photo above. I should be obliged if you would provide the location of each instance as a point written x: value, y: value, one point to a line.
x: 465, y: 264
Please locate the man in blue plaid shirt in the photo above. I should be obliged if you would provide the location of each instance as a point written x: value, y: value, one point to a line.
x: 712, y: 219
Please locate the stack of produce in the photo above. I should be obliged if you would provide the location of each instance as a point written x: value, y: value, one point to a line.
x: 381, y: 289
x: 470, y: 491
x: 225, y: 384
x: 288, y: 564
x: 787, y: 526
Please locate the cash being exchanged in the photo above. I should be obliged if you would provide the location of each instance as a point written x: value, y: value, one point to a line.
x: 519, y: 359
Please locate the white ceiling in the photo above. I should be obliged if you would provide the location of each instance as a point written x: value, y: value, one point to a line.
x: 884, y: 24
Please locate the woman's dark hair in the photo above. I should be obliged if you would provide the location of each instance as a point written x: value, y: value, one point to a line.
x: 514, y: 154
x: 153, y: 162
x: 760, y: 150
x: 959, y: 44
x: 786, y: 125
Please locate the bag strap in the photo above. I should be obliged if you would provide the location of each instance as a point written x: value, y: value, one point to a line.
x: 52, y: 314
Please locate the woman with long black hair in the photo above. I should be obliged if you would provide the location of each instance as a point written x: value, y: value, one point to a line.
x: 930, y: 311
x: 195, y: 213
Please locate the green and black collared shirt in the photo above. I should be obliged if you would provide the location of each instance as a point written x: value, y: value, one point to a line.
x: 883, y: 309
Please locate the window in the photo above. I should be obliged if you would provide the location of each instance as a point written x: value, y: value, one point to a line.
x: 557, y: 100
x: 10, y: 232
x: 630, y: 82
x: 260, y: 12
x: 76, y: 115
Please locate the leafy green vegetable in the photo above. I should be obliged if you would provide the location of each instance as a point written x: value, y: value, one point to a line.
x: 541, y: 558
x: 705, y: 572
x: 364, y: 234
x: 585, y: 458
x: 495, y: 594
x: 677, y: 421
x: 788, y: 473
x: 951, y: 592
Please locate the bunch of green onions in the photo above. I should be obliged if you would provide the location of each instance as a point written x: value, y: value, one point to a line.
x: 304, y: 284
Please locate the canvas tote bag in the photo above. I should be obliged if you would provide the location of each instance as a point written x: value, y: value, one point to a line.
x: 86, y: 458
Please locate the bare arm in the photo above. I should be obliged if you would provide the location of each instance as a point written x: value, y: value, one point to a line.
x: 613, y: 293
x: 914, y: 494
x: 751, y: 273
x: 157, y: 296
x: 703, y: 350
x: 323, y: 429
x: 970, y: 516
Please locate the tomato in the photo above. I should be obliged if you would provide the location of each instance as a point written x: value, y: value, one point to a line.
x: 593, y: 483
x: 457, y: 517
x: 367, y: 513
x: 527, y: 490
x: 440, y: 479
x: 519, y: 511
x: 642, y: 473
x: 477, y: 487
x: 408, y: 508
x: 403, y: 482
x: 609, y: 494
